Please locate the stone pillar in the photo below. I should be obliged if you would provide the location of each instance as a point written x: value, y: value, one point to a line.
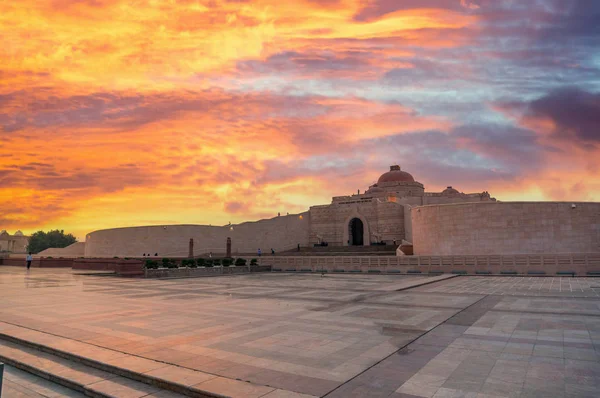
x: 228, y: 251
x: 191, y: 251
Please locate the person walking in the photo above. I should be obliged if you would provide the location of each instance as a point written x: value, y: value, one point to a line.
x: 28, y: 259
x: 259, y: 252
x: 272, y: 252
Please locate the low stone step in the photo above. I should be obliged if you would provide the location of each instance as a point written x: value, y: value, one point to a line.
x: 76, y: 376
x: 334, y: 254
x: 123, y: 369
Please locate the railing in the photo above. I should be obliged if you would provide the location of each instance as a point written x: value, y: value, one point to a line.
x: 221, y: 251
x: 524, y: 264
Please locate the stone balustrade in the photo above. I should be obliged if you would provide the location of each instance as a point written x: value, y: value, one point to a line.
x: 580, y: 264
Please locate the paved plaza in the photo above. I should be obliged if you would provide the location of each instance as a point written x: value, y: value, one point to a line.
x: 333, y: 335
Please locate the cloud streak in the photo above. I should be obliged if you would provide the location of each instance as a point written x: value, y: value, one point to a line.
x: 210, y: 111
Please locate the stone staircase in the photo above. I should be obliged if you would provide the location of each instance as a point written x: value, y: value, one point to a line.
x: 387, y: 250
x: 104, y: 373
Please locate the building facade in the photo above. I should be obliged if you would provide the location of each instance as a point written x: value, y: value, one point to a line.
x: 16, y: 243
x: 382, y: 213
x: 394, y: 209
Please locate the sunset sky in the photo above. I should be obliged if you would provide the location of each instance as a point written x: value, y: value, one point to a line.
x: 134, y: 112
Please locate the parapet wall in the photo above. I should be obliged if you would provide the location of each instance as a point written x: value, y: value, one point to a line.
x: 77, y: 249
x: 572, y: 264
x: 279, y: 233
x: 38, y: 262
x: 486, y: 228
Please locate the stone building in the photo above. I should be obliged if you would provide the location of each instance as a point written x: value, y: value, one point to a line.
x: 16, y: 243
x: 382, y: 213
x: 394, y: 209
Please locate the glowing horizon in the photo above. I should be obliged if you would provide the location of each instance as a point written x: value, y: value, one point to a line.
x: 116, y: 113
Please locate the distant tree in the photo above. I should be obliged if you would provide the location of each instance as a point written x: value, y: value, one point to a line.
x: 41, y: 240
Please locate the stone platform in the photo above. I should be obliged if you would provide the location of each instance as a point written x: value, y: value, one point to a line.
x: 281, y: 335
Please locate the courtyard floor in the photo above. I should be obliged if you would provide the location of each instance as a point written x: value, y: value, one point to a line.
x: 334, y: 336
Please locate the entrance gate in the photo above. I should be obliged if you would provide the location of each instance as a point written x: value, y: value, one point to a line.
x: 356, y: 232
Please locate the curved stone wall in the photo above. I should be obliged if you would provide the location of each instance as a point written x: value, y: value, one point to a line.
x: 506, y: 228
x: 279, y: 233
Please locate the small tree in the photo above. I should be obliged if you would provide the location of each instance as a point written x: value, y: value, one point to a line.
x: 55, y: 238
x: 253, y: 261
x: 240, y: 261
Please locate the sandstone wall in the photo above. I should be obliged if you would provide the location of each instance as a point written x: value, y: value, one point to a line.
x: 77, y: 249
x: 331, y: 222
x: 506, y: 227
x: 39, y: 262
x: 279, y: 233
x: 14, y: 244
x: 580, y: 264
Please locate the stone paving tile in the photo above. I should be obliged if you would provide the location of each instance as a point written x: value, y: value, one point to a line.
x: 339, y: 335
x: 122, y: 388
x: 180, y: 375
x: 518, y: 285
x: 136, y: 364
x: 233, y: 388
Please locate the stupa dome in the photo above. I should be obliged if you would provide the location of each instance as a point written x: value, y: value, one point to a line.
x: 450, y: 191
x: 396, y: 175
x: 375, y: 189
x: 19, y: 233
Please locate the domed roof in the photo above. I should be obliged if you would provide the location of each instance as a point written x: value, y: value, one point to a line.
x: 450, y: 191
x: 375, y: 189
x: 395, y: 175
x: 19, y: 233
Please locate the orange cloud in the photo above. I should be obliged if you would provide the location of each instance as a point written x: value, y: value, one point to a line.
x: 104, y: 150
x: 117, y: 113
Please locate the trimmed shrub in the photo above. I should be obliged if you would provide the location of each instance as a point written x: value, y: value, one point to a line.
x: 192, y: 263
x: 169, y: 263
x: 217, y: 262
x: 185, y: 262
x: 240, y: 261
x: 201, y: 262
x: 209, y: 263
x: 254, y: 262
x: 226, y: 262
x: 151, y: 264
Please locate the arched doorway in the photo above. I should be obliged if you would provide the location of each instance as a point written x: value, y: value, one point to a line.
x: 356, y: 232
